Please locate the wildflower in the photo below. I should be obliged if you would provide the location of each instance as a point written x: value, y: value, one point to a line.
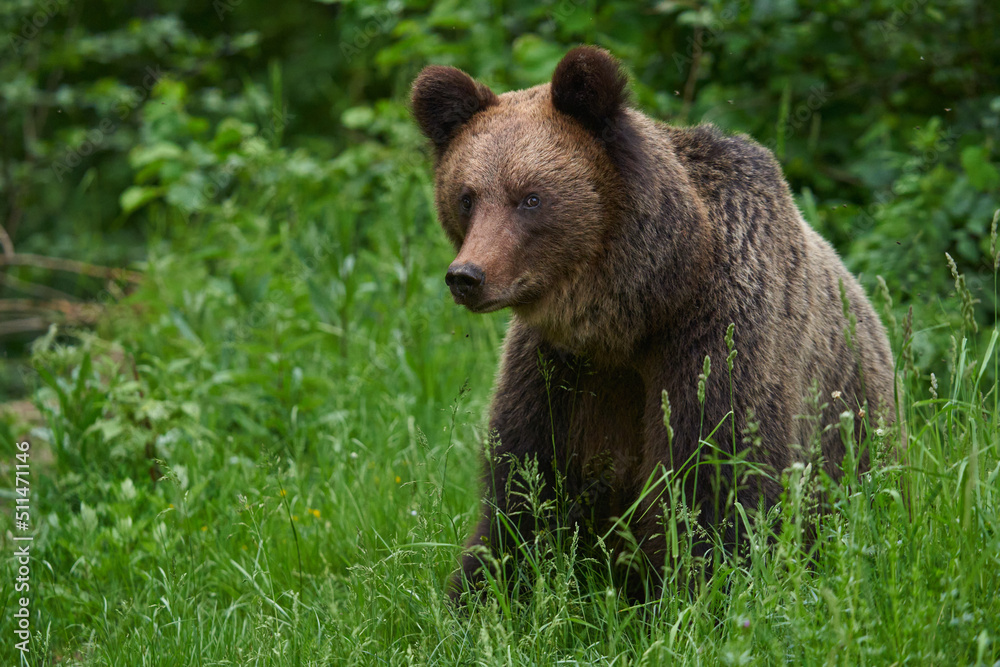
x: 835, y: 395
x: 968, y: 303
x: 413, y: 512
x: 886, y: 298
x: 703, y: 378
x: 315, y: 513
x: 398, y: 479
x: 204, y: 528
x: 283, y: 493
x: 731, y: 346
x: 295, y: 517
x: 170, y: 505
x: 666, y: 417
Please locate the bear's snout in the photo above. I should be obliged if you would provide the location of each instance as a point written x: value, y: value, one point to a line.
x: 465, y: 281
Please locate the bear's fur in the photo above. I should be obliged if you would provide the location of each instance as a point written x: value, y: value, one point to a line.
x: 625, y: 248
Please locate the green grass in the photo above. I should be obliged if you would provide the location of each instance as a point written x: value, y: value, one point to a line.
x: 316, y: 407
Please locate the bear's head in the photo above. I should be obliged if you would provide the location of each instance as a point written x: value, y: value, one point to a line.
x: 525, y: 187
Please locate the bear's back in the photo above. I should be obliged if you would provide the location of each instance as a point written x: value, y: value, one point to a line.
x: 781, y: 281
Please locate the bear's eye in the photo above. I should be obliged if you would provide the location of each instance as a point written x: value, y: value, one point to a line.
x: 532, y: 201
x: 466, y: 202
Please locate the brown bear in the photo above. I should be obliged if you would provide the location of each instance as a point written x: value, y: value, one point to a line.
x: 625, y: 248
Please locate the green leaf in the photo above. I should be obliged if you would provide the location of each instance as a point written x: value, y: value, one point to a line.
x: 982, y: 174
x: 138, y: 196
x: 357, y: 118
x: 229, y: 134
x: 536, y: 56
x: 140, y: 156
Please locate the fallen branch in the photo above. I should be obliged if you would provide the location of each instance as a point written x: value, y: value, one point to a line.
x: 33, y: 289
x: 71, y: 266
x: 37, y: 315
x: 24, y: 326
x: 6, y: 243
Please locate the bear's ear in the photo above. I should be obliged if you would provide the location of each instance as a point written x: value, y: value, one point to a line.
x: 444, y: 98
x: 590, y: 85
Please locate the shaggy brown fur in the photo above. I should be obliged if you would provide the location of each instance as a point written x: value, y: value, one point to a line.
x: 625, y: 247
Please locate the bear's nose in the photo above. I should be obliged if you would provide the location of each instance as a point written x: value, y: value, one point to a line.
x: 464, y: 279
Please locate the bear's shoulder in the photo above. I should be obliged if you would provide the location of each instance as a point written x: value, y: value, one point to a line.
x: 710, y: 153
